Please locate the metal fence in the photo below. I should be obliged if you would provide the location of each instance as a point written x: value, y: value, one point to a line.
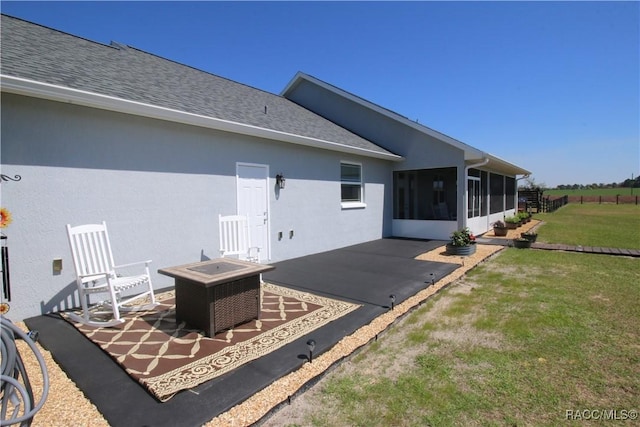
x: 548, y: 204
x: 534, y: 201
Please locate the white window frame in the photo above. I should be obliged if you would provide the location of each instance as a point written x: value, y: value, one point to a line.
x: 352, y: 204
x: 474, y: 197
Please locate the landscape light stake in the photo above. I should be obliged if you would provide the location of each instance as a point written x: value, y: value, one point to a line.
x: 392, y: 297
x: 312, y: 345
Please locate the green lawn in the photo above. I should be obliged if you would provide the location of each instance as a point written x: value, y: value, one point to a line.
x: 527, y: 338
x: 592, y: 225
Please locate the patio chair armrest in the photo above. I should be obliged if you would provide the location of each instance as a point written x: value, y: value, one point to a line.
x: 93, y: 276
x: 131, y: 264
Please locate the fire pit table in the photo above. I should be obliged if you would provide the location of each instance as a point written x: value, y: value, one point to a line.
x: 218, y: 294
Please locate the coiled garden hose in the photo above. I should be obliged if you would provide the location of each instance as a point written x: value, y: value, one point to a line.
x: 15, y: 387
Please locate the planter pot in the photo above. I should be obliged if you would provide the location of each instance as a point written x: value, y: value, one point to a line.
x: 461, y: 250
x: 512, y: 225
x: 500, y: 231
x: 531, y: 237
x: 521, y: 244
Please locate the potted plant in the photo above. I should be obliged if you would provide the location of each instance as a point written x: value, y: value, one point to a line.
x: 463, y: 242
x: 500, y: 228
x: 525, y: 217
x: 521, y: 243
x: 512, y: 222
x: 529, y: 235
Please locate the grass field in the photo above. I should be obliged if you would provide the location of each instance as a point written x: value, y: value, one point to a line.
x: 527, y: 338
x: 604, y: 225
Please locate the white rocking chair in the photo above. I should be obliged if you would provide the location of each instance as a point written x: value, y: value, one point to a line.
x: 235, y: 238
x: 96, y: 273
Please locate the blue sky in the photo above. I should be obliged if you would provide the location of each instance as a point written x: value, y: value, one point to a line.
x: 553, y: 87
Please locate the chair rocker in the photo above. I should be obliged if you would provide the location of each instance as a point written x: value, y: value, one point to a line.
x: 96, y: 273
x: 235, y: 238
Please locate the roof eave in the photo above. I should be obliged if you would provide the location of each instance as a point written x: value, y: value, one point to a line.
x: 507, y: 166
x: 32, y: 88
x: 497, y: 164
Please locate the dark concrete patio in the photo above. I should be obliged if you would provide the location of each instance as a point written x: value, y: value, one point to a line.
x: 365, y: 274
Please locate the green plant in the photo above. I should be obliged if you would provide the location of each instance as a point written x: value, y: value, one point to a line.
x: 521, y: 242
x: 462, y: 237
x: 500, y: 228
x: 514, y: 219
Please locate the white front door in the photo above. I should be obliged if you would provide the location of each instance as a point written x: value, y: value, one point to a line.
x: 253, y: 201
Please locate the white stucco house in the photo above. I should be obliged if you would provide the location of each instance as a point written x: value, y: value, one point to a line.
x: 157, y: 149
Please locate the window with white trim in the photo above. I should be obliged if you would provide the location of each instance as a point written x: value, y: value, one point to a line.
x: 351, y: 186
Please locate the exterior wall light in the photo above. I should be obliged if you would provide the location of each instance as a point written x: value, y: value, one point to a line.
x: 280, y: 181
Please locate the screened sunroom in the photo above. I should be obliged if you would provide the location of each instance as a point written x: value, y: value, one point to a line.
x: 430, y: 203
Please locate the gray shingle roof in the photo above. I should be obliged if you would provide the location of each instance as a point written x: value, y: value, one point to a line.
x: 39, y: 53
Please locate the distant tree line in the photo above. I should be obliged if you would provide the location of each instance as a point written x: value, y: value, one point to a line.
x: 627, y: 183
x: 531, y: 184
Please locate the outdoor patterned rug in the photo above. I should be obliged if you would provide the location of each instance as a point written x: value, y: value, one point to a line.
x: 167, y: 358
